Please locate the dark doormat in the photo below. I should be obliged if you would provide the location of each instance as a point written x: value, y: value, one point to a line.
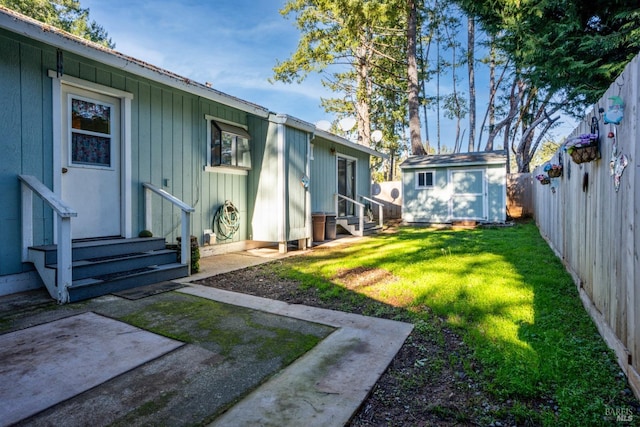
x: 148, y: 290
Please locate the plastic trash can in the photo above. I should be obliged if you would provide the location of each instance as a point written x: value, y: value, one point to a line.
x: 318, y: 226
x: 330, y: 226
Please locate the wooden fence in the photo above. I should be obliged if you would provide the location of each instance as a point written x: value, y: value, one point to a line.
x: 519, y: 195
x: 595, y: 229
x: 389, y: 193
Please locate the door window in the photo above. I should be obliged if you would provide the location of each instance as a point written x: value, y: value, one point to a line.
x: 91, y: 133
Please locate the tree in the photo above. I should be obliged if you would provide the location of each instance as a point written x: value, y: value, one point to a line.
x: 336, y: 33
x: 67, y: 15
x: 471, y: 41
x: 367, y: 43
x: 412, y: 78
x: 563, y: 54
x: 573, y: 46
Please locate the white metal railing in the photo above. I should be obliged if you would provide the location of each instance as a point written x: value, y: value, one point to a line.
x: 29, y: 186
x: 360, y: 206
x: 380, y: 209
x: 185, y: 244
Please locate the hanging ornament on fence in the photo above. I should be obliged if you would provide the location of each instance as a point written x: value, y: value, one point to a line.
x: 618, y: 161
x: 615, y: 113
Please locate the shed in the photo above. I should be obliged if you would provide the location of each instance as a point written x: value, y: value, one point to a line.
x: 447, y: 188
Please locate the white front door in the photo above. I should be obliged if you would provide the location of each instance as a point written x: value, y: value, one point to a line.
x: 91, y: 169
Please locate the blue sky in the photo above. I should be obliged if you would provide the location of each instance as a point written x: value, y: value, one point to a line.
x: 234, y: 45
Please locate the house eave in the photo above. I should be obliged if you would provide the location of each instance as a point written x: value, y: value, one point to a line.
x: 36, y: 30
x: 346, y: 143
x: 292, y: 122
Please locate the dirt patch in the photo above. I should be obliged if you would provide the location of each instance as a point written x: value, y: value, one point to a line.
x: 359, y: 277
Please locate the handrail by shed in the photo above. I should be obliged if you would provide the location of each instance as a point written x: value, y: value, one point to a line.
x: 380, y: 209
x: 360, y: 211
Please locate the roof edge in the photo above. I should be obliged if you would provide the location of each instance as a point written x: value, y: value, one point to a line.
x: 346, y: 143
x: 20, y: 24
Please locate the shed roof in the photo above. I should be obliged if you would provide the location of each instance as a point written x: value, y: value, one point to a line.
x: 460, y: 159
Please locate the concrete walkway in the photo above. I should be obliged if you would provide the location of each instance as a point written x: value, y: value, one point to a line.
x: 327, y: 385
x: 324, y: 387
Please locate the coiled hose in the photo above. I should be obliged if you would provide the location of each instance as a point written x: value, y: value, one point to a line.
x: 226, y: 221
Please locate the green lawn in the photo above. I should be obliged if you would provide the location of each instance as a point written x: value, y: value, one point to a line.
x: 503, y: 291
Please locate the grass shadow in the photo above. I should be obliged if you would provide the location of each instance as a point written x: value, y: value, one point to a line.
x: 504, y: 292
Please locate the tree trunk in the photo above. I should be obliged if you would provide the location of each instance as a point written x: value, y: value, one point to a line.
x: 471, y: 34
x: 363, y: 96
x: 414, y: 89
x: 514, y: 102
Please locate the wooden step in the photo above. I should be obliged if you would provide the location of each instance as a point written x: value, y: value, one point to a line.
x: 104, y: 266
x: 91, y: 249
x: 85, y: 268
x: 103, y: 285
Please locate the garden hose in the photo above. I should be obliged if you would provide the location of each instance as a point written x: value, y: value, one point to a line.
x: 226, y: 221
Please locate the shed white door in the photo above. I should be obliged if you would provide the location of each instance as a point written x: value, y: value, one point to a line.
x: 91, y: 171
x: 468, y: 195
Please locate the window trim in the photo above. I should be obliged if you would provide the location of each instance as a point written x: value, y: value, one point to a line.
x: 425, y: 187
x: 230, y: 128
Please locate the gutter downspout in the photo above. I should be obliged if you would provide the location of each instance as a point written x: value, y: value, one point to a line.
x: 310, y: 137
x: 282, y: 189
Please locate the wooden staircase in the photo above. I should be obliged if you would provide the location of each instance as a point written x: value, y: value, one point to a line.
x: 101, y: 267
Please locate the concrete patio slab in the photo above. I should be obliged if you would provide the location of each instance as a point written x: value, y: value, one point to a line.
x: 329, y: 383
x: 47, y: 364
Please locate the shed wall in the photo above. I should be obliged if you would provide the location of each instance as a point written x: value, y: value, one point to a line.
x: 434, y: 205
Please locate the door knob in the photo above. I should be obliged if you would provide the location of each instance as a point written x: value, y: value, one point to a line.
x: 65, y: 170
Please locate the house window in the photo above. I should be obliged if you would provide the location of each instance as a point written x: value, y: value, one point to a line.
x: 229, y: 146
x: 424, y: 180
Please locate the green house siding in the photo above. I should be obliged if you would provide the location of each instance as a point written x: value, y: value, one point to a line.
x: 168, y: 146
x: 164, y: 142
x: 296, y: 193
x: 324, y: 173
x: 280, y: 207
x: 263, y: 187
x: 26, y: 143
x: 323, y: 178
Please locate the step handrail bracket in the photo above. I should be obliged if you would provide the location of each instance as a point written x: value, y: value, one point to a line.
x: 186, y: 211
x: 30, y: 185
